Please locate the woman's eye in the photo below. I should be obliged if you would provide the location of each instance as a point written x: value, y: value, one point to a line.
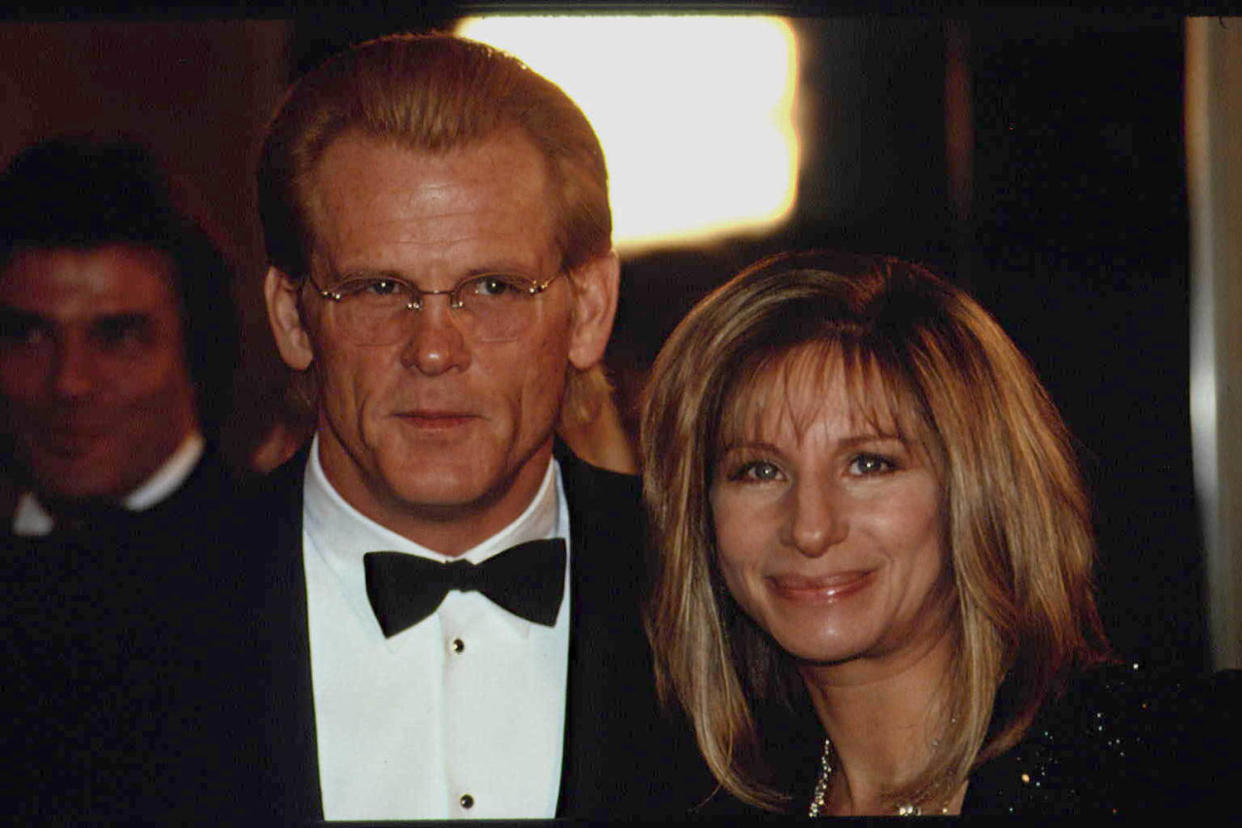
x: 868, y: 464
x: 758, y: 471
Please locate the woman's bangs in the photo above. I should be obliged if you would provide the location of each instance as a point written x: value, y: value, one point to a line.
x: 770, y: 386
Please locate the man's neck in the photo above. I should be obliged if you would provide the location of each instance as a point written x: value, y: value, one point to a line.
x: 169, y: 476
x: 33, y: 515
x: 451, y: 529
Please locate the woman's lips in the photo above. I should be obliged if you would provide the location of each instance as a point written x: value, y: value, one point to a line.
x: 820, y: 589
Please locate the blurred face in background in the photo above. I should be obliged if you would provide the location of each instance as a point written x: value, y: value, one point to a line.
x: 92, y: 367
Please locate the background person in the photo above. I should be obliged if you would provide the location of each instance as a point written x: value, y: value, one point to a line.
x: 117, y: 343
x: 120, y: 601
x: 865, y: 501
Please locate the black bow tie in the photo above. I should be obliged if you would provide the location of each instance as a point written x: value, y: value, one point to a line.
x: 528, y: 580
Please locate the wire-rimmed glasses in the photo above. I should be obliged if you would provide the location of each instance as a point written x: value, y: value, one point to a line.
x: 491, y: 307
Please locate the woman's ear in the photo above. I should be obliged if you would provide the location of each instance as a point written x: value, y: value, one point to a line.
x: 284, y: 313
x: 595, y: 304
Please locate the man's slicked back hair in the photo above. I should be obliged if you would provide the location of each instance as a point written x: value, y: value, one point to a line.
x: 430, y: 93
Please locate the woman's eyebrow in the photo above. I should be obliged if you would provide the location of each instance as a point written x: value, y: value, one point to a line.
x: 871, y: 437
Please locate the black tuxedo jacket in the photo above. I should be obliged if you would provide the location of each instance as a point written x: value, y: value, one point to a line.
x: 164, y: 673
x: 622, y: 756
x: 121, y: 645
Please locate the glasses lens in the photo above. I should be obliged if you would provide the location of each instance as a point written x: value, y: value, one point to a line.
x: 489, y: 308
x: 371, y: 311
x: 498, y: 306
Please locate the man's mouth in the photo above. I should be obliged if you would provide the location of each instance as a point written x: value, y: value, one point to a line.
x: 62, y: 443
x: 434, y: 420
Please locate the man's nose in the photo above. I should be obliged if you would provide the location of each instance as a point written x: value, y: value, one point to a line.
x: 816, y: 521
x: 75, y: 372
x: 436, y: 343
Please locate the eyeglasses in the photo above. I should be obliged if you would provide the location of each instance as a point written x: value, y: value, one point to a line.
x: 492, y: 307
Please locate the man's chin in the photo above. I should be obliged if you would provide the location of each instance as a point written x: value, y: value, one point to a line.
x: 80, y: 487
x: 443, y: 499
x: 88, y: 475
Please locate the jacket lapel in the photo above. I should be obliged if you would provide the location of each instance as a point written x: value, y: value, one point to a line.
x: 609, y: 686
x: 283, y: 642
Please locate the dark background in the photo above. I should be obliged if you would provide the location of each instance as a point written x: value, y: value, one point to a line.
x: 1066, y: 216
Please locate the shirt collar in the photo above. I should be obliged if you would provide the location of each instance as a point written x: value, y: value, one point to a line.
x: 31, y: 519
x: 342, y: 535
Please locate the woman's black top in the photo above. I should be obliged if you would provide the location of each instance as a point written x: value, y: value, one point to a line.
x: 1119, y: 740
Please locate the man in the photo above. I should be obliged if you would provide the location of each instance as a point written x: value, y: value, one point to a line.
x: 116, y: 342
x: 116, y: 346
x: 437, y: 224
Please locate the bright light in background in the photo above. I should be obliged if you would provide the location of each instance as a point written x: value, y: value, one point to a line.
x: 695, y: 114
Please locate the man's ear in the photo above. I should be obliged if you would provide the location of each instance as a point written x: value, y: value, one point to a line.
x: 595, y: 305
x: 284, y: 313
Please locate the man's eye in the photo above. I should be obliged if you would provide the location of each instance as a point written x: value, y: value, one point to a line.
x: 868, y: 464
x: 370, y: 288
x: 381, y: 287
x: 117, y: 331
x: 21, y: 329
x: 494, y: 286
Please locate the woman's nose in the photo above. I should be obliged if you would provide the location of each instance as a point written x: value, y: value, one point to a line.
x: 816, y: 520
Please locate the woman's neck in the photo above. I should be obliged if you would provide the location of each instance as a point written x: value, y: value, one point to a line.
x: 882, y: 719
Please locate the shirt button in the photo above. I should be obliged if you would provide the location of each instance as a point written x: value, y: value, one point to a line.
x: 467, y: 801
x: 459, y: 645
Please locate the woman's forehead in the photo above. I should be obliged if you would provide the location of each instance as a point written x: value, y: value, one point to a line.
x: 810, y: 383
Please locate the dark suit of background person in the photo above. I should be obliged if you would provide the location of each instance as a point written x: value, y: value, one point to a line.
x: 435, y: 435
x: 116, y: 350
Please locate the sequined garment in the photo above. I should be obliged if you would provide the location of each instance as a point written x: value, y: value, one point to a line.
x: 1121, y: 740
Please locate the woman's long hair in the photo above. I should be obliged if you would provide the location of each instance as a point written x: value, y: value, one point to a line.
x: 1017, y: 517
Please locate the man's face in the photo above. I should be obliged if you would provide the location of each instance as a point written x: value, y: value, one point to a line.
x: 439, y: 436
x: 92, y: 367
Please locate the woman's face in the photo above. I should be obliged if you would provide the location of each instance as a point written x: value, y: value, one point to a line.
x: 829, y: 526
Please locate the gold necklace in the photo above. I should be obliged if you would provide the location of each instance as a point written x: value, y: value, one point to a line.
x: 819, y: 796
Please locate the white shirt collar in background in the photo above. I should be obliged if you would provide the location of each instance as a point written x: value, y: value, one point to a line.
x: 30, y: 519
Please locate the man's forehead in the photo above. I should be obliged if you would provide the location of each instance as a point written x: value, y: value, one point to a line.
x: 372, y: 197
x: 68, y: 284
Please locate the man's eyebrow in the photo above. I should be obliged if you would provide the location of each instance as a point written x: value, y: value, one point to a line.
x: 347, y: 275
x: 11, y: 315
x: 502, y: 268
x: 122, y: 316
x: 9, y: 310
x: 113, y: 320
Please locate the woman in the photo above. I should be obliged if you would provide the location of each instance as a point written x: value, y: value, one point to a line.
x: 865, y: 500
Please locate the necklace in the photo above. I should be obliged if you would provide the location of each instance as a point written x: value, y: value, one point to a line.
x: 820, y: 794
x: 821, y: 784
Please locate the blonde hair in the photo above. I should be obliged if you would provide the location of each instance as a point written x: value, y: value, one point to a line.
x: 1017, y: 517
x: 433, y: 93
